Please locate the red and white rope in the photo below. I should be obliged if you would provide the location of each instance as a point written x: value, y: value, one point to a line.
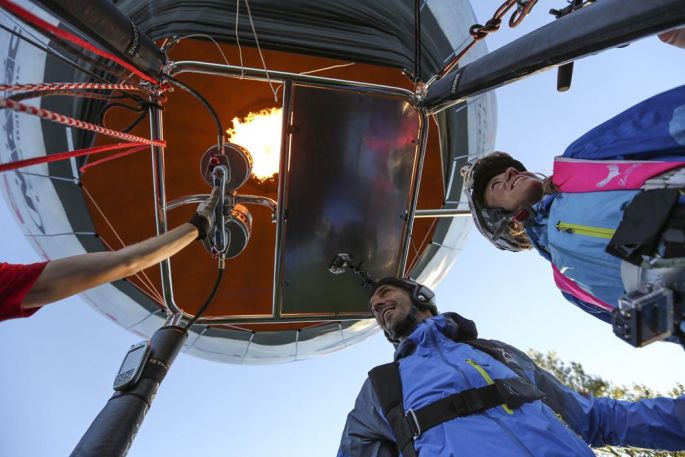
x: 67, y: 86
x: 70, y: 121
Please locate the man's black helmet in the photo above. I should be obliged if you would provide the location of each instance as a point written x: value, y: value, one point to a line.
x: 421, y: 296
x: 491, y: 222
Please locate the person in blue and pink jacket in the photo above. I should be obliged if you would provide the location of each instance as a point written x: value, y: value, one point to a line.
x: 634, y: 160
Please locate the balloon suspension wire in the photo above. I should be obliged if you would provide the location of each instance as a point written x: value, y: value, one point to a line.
x: 478, y: 32
x: 59, y: 56
x: 274, y: 90
x: 416, y: 248
x: 142, y: 276
x: 204, y: 307
x: 175, y: 40
x: 72, y: 89
x: 54, y: 31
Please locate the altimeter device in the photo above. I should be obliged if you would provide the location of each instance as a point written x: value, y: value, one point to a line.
x: 132, y: 366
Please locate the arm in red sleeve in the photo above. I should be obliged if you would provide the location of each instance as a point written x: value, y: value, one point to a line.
x: 15, y: 282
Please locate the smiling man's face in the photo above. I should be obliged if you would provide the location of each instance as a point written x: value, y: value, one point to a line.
x: 390, y: 305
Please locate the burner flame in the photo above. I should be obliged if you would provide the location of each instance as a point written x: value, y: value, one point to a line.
x: 260, y: 133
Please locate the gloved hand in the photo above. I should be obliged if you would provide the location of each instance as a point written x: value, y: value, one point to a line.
x: 204, y: 216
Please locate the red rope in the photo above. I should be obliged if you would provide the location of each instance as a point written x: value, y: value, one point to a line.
x: 70, y: 121
x: 34, y: 20
x: 69, y: 154
x: 114, y: 156
x: 66, y: 86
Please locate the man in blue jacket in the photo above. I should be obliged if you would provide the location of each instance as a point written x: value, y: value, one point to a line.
x: 449, y: 393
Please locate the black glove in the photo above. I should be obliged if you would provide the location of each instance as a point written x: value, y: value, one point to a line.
x: 204, y: 216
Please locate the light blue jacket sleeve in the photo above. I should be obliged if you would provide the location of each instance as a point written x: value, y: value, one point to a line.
x: 656, y: 423
x: 366, y: 431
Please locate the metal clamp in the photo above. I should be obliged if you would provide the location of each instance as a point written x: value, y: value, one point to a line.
x: 414, y: 426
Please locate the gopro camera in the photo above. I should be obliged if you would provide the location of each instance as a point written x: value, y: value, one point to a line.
x: 132, y: 366
x: 645, y: 315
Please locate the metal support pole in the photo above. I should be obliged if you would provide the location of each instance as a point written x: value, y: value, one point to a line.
x: 587, y: 31
x: 157, y: 133
x: 418, y: 171
x: 113, y: 430
x: 442, y: 212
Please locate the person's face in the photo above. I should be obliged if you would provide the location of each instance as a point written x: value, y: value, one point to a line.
x: 513, y: 190
x: 390, y: 305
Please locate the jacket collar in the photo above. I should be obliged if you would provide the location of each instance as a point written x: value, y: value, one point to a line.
x: 452, y: 325
x: 536, y: 227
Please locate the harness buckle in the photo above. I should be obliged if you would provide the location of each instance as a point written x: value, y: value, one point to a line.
x: 413, y: 421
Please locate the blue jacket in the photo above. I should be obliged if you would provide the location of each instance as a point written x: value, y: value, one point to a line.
x: 651, y: 130
x: 434, y: 363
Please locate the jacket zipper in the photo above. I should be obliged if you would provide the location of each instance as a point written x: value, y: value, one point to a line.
x: 488, y: 379
x: 587, y: 230
x: 506, y: 429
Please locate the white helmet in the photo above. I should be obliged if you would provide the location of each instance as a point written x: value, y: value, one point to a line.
x: 492, y: 222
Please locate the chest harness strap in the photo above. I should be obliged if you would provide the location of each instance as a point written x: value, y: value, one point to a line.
x: 409, y: 425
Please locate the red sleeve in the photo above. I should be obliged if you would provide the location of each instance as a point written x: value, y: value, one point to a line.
x: 15, y: 283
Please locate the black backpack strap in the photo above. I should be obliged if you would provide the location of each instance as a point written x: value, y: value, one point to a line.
x: 409, y: 425
x: 511, y: 393
x: 388, y: 387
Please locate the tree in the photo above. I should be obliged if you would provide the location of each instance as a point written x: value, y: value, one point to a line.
x: 574, y: 376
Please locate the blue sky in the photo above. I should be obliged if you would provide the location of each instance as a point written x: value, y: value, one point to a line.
x: 58, y: 366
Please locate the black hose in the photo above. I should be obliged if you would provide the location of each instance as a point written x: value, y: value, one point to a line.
x: 201, y: 311
x: 203, y: 100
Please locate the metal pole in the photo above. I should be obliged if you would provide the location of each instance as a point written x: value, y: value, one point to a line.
x: 258, y: 74
x: 281, y: 220
x: 442, y: 212
x: 418, y: 171
x: 587, y: 31
x: 157, y: 152
x: 113, y: 430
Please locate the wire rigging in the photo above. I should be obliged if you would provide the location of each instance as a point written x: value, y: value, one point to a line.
x: 142, y: 276
x: 60, y: 57
x: 45, y: 26
x: 176, y: 40
x: 479, y: 32
x: 256, y: 39
x: 259, y: 50
x: 67, y: 155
